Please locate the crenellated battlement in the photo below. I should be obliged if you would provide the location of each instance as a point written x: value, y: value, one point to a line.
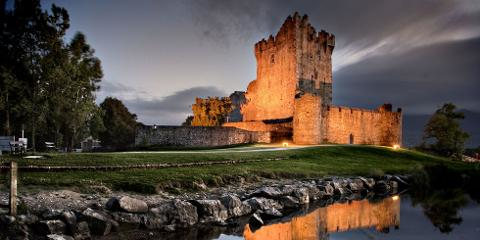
x: 293, y: 27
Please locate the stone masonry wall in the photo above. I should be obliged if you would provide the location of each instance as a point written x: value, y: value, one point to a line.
x: 379, y: 127
x: 297, y: 56
x: 307, y: 121
x: 197, y: 136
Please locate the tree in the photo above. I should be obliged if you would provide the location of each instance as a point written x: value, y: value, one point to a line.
x: 212, y: 111
x: 46, y: 84
x: 119, y: 124
x: 444, y: 130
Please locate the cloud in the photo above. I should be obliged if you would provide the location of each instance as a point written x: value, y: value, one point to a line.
x: 418, y: 80
x: 172, y: 109
x: 363, y: 29
x: 118, y: 90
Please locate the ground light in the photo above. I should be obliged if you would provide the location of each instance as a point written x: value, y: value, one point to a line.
x: 396, y: 146
x: 285, y: 144
x: 395, y: 198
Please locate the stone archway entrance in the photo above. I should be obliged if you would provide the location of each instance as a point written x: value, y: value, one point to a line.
x: 351, y: 139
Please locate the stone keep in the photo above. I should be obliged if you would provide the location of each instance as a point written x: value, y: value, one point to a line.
x: 293, y: 92
x: 296, y: 59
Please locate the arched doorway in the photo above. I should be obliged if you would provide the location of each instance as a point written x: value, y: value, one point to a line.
x: 351, y: 139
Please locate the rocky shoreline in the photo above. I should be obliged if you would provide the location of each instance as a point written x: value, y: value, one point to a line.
x: 70, y: 215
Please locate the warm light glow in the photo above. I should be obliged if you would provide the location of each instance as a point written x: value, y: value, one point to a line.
x: 396, y: 146
x: 285, y: 144
x: 395, y: 198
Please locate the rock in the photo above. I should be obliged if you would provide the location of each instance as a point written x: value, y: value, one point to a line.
x: 169, y: 228
x: 50, y: 214
x: 393, y: 184
x: 99, y: 222
x: 267, y: 192
x: 101, y: 189
x: 6, y: 219
x: 289, y: 202
x: 27, y: 219
x: 381, y: 187
x: 59, y: 237
x: 210, y: 210
x: 326, y: 190
x: 313, y: 192
x: 235, y: 207
x: 46, y: 227
x: 260, y: 203
x: 70, y: 219
x: 342, y: 191
x: 255, y: 222
x: 302, y: 195
x: 271, y: 213
x: 368, y: 183
x: 339, y: 183
x: 200, y: 186
x: 82, y: 232
x: 125, y: 217
x: 355, y: 185
x: 177, y: 212
x: 402, y: 181
x: 127, y: 204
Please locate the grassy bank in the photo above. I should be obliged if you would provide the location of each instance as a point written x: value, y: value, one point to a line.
x: 298, y: 163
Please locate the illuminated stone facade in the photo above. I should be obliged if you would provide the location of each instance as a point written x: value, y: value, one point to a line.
x: 294, y: 88
x: 338, y: 217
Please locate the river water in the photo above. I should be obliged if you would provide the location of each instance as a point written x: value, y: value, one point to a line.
x: 394, y: 217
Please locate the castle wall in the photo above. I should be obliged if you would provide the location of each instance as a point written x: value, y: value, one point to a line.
x: 297, y: 58
x: 196, y: 136
x: 345, y: 125
x: 307, y: 121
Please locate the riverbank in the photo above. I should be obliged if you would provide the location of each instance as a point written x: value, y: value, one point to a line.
x: 215, y: 168
x: 67, y: 215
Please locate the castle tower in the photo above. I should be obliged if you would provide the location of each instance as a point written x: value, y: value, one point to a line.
x: 296, y: 61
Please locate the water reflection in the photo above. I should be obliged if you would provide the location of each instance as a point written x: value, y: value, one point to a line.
x: 382, y: 215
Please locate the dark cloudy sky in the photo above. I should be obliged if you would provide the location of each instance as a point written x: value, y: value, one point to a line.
x: 158, y: 55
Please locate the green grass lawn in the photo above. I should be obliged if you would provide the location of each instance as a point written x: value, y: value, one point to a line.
x: 298, y: 163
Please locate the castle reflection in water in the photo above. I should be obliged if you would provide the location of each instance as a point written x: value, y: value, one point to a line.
x: 339, y: 217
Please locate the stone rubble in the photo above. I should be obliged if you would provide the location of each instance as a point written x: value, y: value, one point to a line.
x: 100, y: 216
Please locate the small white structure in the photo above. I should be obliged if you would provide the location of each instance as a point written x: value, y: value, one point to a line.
x: 89, y: 144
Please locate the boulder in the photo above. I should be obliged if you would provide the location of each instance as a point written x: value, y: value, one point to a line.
x: 6, y: 219
x: 342, y: 191
x: 177, y: 212
x: 46, y: 227
x: 210, y: 210
x: 393, y: 184
x: 382, y: 187
x: 50, y: 214
x: 255, y: 222
x: 302, y: 195
x: 313, y: 192
x: 235, y: 207
x: 125, y: 217
x: 289, y: 202
x: 70, y: 219
x: 268, y: 192
x: 326, y: 190
x: 59, y: 237
x: 368, y: 183
x: 355, y: 185
x: 127, y: 204
x: 402, y: 181
x: 99, y: 222
x: 82, y: 232
x: 27, y: 219
x: 270, y: 214
x: 260, y: 203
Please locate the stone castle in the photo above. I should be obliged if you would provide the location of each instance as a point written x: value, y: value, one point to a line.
x: 292, y: 95
x: 291, y: 100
